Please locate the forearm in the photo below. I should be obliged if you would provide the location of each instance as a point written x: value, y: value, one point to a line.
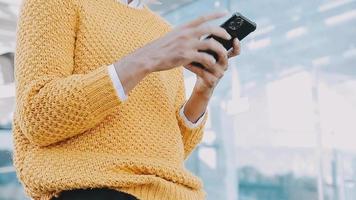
x: 197, y: 104
x: 131, y: 72
x: 194, y: 111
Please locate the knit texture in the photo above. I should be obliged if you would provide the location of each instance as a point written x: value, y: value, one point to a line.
x: 70, y: 128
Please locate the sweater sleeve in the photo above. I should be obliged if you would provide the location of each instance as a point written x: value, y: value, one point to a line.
x: 191, y: 136
x: 52, y: 103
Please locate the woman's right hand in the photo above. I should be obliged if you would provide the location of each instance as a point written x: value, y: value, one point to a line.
x: 180, y: 46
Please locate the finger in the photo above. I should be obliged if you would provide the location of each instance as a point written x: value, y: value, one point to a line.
x: 213, y: 68
x: 236, y: 50
x: 212, y: 30
x: 204, y: 19
x: 208, y: 78
x: 196, y: 70
x: 207, y: 60
x: 219, y: 72
x: 215, y: 46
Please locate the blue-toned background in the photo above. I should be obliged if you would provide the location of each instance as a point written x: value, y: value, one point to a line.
x: 282, y: 123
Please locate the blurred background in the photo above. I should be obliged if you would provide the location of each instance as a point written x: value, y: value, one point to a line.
x: 282, y: 123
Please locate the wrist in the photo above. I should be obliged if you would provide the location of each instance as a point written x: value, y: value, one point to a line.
x: 130, y: 72
x: 147, y: 64
x: 135, y: 66
x: 203, y: 92
x: 147, y: 67
x: 194, y: 108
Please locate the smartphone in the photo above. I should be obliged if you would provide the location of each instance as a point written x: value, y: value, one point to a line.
x: 238, y: 26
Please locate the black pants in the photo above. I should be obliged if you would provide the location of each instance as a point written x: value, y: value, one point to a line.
x: 94, y: 194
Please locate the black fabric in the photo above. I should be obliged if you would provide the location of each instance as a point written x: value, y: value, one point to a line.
x: 94, y: 194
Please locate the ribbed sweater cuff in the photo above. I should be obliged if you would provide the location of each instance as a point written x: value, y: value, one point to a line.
x: 100, y: 92
x: 191, y: 136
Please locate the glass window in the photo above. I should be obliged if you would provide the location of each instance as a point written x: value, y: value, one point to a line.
x: 282, y: 117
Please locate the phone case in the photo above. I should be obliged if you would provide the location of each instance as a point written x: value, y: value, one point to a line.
x: 238, y: 26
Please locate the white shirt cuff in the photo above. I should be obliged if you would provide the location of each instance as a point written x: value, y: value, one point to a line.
x: 117, y: 83
x: 187, y: 121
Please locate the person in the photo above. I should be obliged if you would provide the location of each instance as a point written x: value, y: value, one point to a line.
x: 101, y: 111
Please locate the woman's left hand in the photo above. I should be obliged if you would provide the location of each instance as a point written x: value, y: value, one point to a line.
x: 208, y: 79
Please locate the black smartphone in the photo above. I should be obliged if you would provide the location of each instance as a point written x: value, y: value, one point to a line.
x: 238, y: 26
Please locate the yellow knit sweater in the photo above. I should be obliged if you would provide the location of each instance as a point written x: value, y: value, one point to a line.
x: 71, y: 130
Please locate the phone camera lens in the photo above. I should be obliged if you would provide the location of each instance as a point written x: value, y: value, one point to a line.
x: 235, y: 24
